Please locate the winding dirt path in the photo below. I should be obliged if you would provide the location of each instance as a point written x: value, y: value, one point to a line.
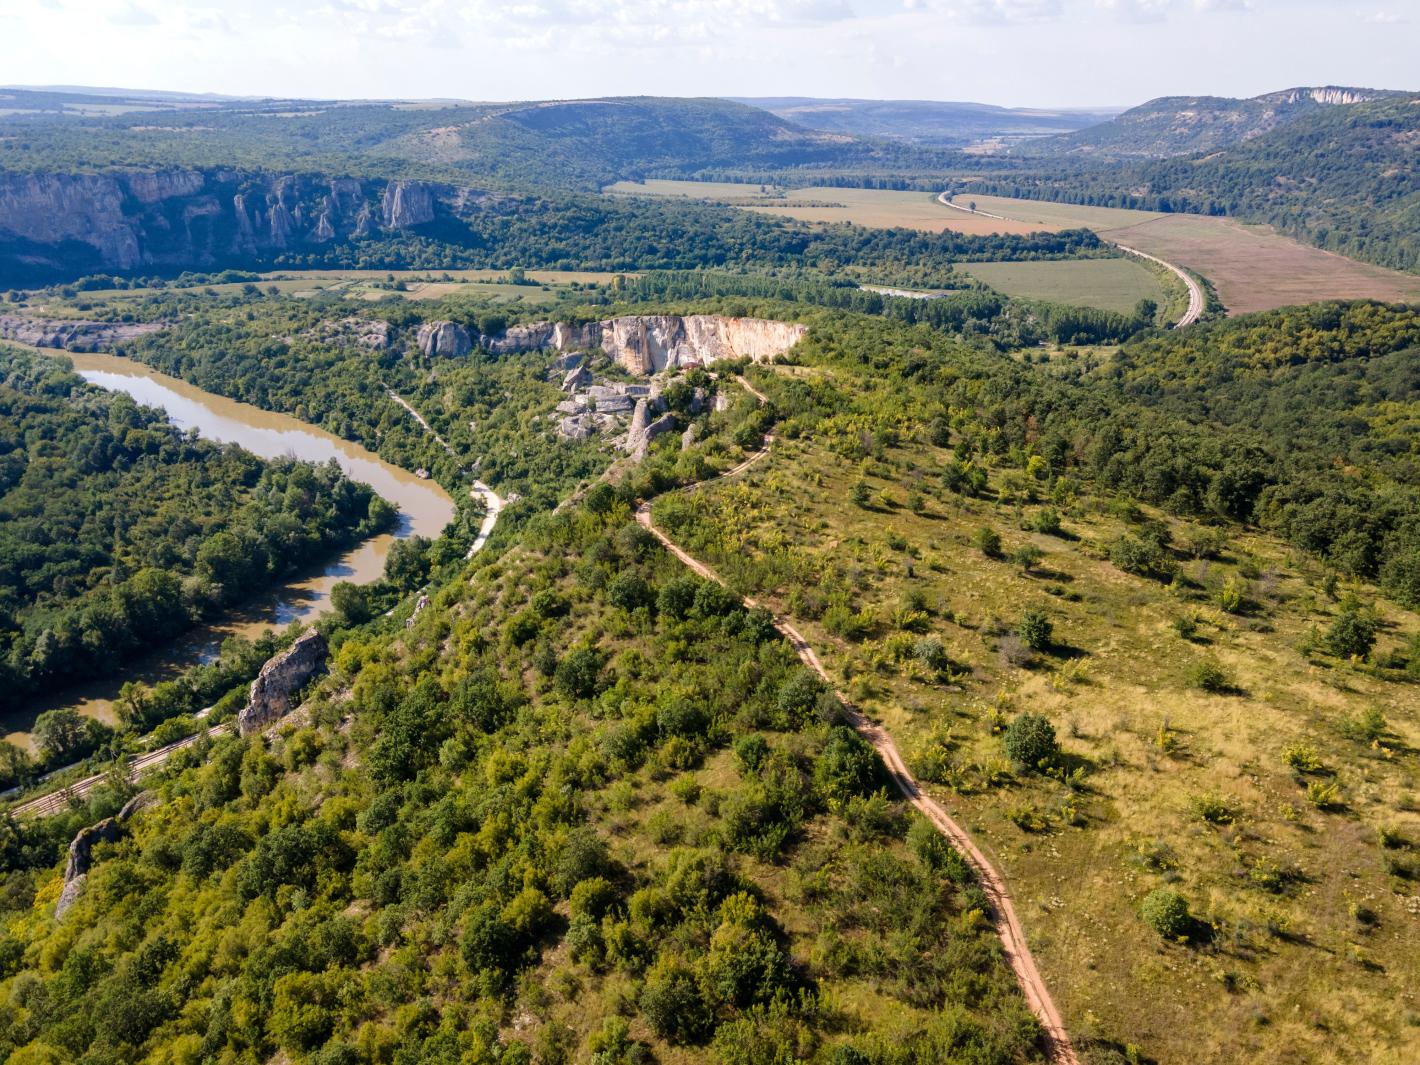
x: 1196, y: 302
x: 1008, y: 925
x: 493, y: 503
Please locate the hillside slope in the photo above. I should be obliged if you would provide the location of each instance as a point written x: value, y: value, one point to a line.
x: 928, y: 122
x: 1182, y: 125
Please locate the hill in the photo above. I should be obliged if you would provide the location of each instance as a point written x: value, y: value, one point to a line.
x: 1182, y: 125
x: 928, y: 122
x: 563, y: 144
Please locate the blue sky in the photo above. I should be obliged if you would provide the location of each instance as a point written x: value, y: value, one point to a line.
x: 1012, y: 52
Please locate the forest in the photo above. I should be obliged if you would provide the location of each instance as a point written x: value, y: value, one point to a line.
x: 118, y: 531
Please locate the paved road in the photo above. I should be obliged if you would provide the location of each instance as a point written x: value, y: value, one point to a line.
x: 1196, y: 302
x: 1008, y: 925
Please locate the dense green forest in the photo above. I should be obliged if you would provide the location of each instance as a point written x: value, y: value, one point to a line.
x: 118, y: 531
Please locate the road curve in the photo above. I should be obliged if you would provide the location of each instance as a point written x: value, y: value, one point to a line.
x: 1008, y: 925
x: 1196, y: 302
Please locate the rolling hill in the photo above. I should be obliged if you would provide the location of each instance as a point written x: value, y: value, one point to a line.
x: 1181, y: 125
x: 928, y: 122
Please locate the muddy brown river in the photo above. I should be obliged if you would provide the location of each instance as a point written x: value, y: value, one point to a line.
x: 424, y: 510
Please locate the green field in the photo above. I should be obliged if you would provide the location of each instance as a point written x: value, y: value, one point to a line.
x: 1109, y: 284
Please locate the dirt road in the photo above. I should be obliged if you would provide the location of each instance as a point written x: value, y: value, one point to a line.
x: 1196, y: 302
x: 1008, y: 925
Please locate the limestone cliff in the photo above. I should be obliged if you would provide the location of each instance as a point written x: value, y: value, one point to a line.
x: 71, y: 335
x: 280, y: 679
x: 647, y: 344
x: 62, y: 224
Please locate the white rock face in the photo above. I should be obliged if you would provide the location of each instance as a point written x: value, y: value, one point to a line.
x: 444, y: 338
x: 407, y: 203
x: 647, y: 344
x: 280, y: 679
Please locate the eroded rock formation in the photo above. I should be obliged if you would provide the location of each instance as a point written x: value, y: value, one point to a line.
x: 71, y: 336
x: 280, y: 679
x: 57, y: 224
x: 647, y: 344
x: 445, y: 339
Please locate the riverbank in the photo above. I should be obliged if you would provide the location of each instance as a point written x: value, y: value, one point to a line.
x: 424, y: 510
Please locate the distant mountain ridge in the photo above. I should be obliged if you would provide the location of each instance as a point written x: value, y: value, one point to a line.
x: 927, y: 122
x: 1184, y: 125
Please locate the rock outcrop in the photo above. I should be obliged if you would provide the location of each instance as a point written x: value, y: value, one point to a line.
x: 448, y: 339
x: 60, y: 224
x: 647, y: 344
x: 280, y: 679
x: 71, y: 335
x: 407, y: 203
x: 81, y: 849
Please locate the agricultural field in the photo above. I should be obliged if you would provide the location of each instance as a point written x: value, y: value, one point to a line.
x: 878, y: 208
x: 1181, y: 789
x: 1109, y: 284
x: 1251, y: 267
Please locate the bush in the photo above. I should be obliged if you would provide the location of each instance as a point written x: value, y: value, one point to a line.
x: 988, y: 541
x: 1035, y: 629
x: 847, y: 766
x: 1209, y: 676
x: 672, y: 1006
x: 1047, y: 520
x: 579, y: 674
x: 1030, y: 742
x: 1353, y: 633
x: 628, y: 591
x: 1166, y: 912
x: 1143, y: 558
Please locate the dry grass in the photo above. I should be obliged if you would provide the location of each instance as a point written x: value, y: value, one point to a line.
x: 1252, y: 268
x: 1291, y: 974
x: 880, y: 208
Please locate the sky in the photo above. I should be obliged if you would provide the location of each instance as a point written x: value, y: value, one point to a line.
x: 1045, y: 53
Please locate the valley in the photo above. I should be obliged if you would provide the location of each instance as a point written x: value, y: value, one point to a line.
x: 640, y: 580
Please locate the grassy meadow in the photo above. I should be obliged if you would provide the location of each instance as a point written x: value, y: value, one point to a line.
x: 1109, y: 284
x: 1208, y: 751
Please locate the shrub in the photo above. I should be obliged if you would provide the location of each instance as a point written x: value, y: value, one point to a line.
x: 1035, y: 629
x: 671, y: 1003
x: 1030, y: 742
x: 988, y: 541
x: 1209, y: 676
x: 1186, y: 625
x: 847, y: 766
x: 1047, y: 520
x: 930, y: 652
x: 751, y: 752
x: 1302, y: 758
x: 579, y: 673
x: 1143, y: 558
x: 1215, y: 809
x: 1353, y: 633
x: 1027, y: 557
x: 1166, y: 912
x: 628, y: 591
x: 1367, y: 726
x: 860, y: 493
x: 1232, y: 595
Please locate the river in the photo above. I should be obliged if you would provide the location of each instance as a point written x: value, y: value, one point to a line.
x: 424, y: 510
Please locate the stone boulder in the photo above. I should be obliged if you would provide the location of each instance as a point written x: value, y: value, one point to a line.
x: 81, y: 858
x: 280, y: 679
x: 445, y: 339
